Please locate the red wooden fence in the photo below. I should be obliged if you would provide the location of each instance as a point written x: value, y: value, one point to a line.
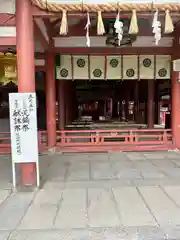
x: 107, y: 140
x: 101, y: 140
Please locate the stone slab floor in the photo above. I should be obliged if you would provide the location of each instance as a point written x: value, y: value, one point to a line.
x: 115, y: 196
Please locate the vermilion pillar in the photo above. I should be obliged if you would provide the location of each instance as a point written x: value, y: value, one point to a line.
x: 61, y: 106
x: 175, y: 108
x: 67, y: 103
x: 136, y: 96
x: 25, y: 66
x: 50, y: 100
x: 150, y: 103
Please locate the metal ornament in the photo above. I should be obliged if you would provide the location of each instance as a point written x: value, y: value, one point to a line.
x: 130, y: 72
x: 81, y: 62
x: 147, y: 62
x: 114, y: 63
x: 97, y: 72
x: 162, y: 72
x: 64, y: 72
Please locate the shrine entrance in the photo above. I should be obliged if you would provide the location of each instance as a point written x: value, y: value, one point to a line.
x: 113, y: 102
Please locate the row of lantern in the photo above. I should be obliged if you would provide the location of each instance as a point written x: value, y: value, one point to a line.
x: 114, y: 67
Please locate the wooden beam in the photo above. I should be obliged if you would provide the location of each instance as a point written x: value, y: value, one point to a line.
x: 7, y: 20
x: 114, y: 50
x: 8, y: 41
x: 38, y: 33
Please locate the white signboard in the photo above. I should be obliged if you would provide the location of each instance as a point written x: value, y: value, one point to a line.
x: 23, y: 125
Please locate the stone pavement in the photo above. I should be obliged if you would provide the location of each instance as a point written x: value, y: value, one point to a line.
x: 115, y: 196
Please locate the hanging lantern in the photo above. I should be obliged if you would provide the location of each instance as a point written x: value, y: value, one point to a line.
x: 8, y: 69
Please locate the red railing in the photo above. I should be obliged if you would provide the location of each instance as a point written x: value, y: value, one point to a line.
x: 114, y: 137
x: 87, y: 139
x: 5, y: 142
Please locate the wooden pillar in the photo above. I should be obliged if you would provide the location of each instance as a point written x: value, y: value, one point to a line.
x: 61, y: 104
x: 150, y: 103
x: 50, y: 100
x: 175, y: 108
x: 157, y: 103
x: 127, y: 105
x: 25, y: 67
x: 136, y: 107
x: 67, y: 103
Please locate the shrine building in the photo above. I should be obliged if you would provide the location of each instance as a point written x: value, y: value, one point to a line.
x: 106, y: 73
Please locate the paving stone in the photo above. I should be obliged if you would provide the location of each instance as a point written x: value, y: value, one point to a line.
x: 174, y: 193
x: 116, y: 156
x: 171, y: 155
x: 144, y: 233
x: 172, y: 172
x: 4, y: 235
x: 48, y: 196
x: 164, y: 210
x: 152, y: 173
x: 39, y: 217
x: 101, y: 209
x: 57, y: 171
x: 73, y: 209
x: 107, y: 233
x: 98, y: 157
x: 102, y: 170
x: 122, y: 164
x: 172, y: 233
x: 14, y: 209
x: 128, y: 173
x: 77, y: 157
x: 134, y: 156
x: 106, y: 184
x: 70, y: 234
x: 154, y: 155
x: 78, y: 171
x: 4, y: 194
x: 132, y: 208
x: 165, y: 163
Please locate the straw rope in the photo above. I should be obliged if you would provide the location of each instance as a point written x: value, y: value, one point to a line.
x: 108, y: 7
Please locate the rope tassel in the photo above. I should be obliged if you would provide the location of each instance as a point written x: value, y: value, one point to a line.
x: 64, y: 24
x: 100, y: 24
x: 133, y: 28
x: 169, y: 27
